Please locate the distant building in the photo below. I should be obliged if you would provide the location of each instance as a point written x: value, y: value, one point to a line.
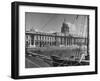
x: 63, y: 38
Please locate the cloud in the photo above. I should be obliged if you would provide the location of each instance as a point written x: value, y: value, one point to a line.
x: 77, y: 29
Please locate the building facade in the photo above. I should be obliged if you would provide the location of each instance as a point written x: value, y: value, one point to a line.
x: 63, y: 38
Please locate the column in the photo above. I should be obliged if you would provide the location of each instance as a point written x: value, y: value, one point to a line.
x: 34, y: 41
x: 29, y: 41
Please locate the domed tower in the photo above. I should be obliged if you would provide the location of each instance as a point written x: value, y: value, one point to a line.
x: 65, y: 28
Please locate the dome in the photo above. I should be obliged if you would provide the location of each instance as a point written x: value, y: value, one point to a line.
x: 65, y: 27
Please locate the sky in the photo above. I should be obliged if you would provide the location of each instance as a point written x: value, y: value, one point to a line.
x: 47, y: 22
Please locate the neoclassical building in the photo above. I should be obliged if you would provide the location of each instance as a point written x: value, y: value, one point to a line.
x: 63, y: 38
